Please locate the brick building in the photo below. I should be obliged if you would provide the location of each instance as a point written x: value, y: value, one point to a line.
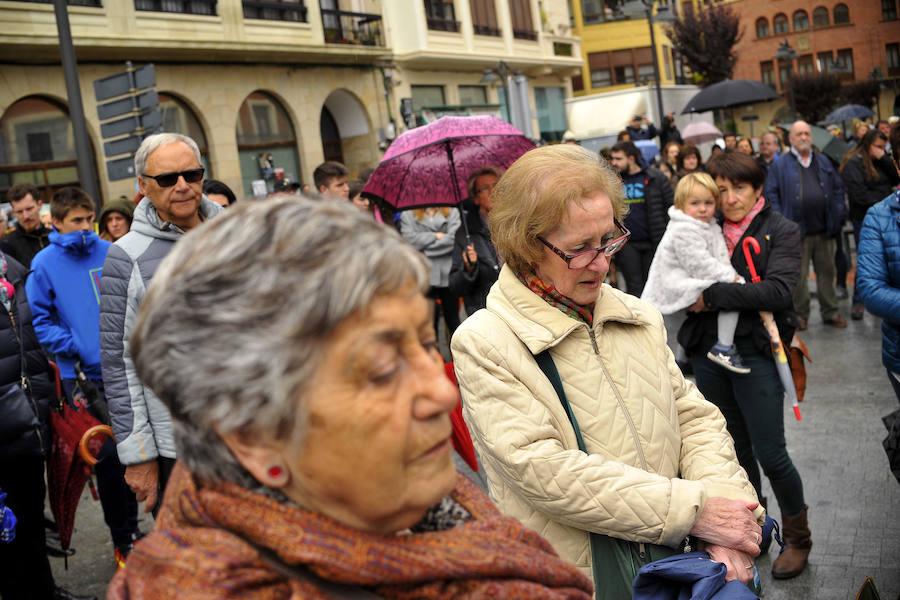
x: 857, y: 40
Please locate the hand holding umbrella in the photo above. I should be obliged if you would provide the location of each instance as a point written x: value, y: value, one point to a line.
x: 781, y: 361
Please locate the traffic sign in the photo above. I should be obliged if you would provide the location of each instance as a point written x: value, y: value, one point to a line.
x: 119, y: 84
x: 149, y: 120
x: 126, y: 145
x: 123, y: 106
x: 121, y: 168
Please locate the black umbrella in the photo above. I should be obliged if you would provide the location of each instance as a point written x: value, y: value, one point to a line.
x: 729, y: 94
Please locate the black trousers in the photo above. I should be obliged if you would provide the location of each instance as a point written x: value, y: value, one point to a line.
x: 120, y: 508
x: 633, y: 263
x: 449, y: 307
x: 165, y: 471
x: 24, y: 568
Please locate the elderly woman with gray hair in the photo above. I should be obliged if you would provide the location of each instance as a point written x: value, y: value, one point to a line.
x: 293, y: 345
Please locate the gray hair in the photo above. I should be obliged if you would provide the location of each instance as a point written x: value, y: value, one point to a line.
x: 156, y: 141
x: 240, y: 313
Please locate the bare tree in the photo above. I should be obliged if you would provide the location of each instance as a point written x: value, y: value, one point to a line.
x: 815, y: 94
x: 705, y: 39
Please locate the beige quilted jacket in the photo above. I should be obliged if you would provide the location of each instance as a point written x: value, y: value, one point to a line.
x: 657, y: 448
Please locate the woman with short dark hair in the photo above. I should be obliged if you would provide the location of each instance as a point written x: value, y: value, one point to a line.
x: 753, y: 403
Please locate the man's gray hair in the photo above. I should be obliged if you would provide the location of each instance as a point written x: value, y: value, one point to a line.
x: 156, y: 141
x: 238, y: 318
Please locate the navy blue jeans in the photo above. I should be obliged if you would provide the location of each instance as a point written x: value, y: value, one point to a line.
x: 120, y: 508
x: 753, y: 406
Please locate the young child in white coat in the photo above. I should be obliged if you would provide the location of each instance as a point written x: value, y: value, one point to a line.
x: 691, y: 257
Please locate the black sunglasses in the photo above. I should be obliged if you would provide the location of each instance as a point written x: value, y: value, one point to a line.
x: 582, y: 259
x: 169, y: 179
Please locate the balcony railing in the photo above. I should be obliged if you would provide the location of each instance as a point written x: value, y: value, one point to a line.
x: 486, y: 30
x: 442, y: 24
x: 187, y: 7
x: 94, y: 3
x: 342, y: 27
x: 274, y: 10
x: 524, y: 34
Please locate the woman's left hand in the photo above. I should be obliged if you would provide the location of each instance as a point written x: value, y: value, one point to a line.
x: 739, y: 564
x: 698, y: 306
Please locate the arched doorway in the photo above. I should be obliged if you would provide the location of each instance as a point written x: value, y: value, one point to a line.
x: 266, y: 142
x: 346, y: 134
x: 178, y: 117
x: 37, y: 146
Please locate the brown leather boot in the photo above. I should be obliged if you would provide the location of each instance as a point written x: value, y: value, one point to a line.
x: 798, y: 540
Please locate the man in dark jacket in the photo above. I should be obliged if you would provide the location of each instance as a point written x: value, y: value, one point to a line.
x: 648, y: 195
x: 30, y: 235
x: 640, y: 128
x: 668, y: 131
x: 26, y: 569
x: 804, y: 186
x: 475, y: 263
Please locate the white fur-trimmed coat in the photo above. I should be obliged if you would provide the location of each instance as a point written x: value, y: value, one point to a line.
x: 691, y: 256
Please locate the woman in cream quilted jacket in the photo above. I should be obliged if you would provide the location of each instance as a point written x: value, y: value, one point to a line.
x: 657, y: 463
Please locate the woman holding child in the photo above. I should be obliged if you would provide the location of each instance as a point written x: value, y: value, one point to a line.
x: 586, y: 428
x: 753, y: 402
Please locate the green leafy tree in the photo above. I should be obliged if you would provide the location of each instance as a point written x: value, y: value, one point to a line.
x: 815, y: 95
x: 705, y: 39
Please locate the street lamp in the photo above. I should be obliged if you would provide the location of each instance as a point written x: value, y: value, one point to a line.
x: 640, y: 8
x: 501, y: 72
x: 786, y: 53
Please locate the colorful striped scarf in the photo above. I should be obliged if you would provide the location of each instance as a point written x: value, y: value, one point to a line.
x: 211, y: 541
x: 551, y: 296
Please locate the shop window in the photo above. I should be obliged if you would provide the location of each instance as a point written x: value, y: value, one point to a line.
x: 266, y: 142
x: 424, y: 96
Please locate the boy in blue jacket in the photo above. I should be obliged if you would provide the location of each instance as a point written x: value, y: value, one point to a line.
x: 63, y: 291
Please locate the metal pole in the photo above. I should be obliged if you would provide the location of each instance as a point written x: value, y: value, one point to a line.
x: 87, y: 174
x: 659, y: 102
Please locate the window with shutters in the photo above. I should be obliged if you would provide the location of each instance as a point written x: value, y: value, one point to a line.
x: 522, y: 23
x: 484, y: 17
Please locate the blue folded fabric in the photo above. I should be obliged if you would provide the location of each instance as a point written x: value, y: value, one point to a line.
x: 691, y: 576
x: 7, y: 522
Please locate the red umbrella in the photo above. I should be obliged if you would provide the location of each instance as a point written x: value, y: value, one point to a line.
x: 429, y: 165
x: 66, y: 470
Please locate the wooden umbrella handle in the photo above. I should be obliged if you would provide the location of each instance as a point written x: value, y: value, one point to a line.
x: 88, y: 458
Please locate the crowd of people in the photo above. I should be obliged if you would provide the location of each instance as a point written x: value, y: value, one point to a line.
x: 279, y: 403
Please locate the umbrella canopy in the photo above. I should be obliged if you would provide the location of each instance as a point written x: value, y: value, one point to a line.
x: 831, y: 146
x: 700, y: 133
x: 66, y: 471
x: 728, y: 94
x: 848, y: 112
x: 429, y: 165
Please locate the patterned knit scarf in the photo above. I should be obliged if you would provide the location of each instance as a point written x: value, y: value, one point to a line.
x: 199, y: 549
x: 734, y: 231
x: 552, y: 297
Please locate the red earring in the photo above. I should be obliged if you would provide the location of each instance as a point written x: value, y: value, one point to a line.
x: 275, y: 472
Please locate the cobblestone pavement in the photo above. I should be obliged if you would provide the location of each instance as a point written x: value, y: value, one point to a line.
x: 854, y: 501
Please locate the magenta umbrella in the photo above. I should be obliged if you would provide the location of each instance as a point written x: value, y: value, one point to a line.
x: 700, y: 132
x: 429, y: 165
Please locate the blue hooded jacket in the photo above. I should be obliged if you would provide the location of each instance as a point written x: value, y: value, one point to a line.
x: 64, y: 294
x: 878, y: 273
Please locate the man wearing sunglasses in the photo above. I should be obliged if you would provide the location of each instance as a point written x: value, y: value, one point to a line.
x: 171, y: 178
